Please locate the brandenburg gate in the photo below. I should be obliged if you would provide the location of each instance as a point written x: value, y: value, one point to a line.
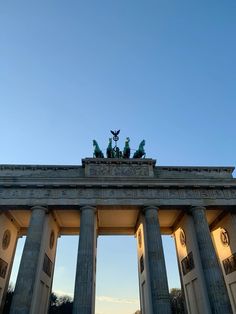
x: 121, y: 196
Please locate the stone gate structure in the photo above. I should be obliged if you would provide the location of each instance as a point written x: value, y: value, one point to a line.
x: 197, y: 205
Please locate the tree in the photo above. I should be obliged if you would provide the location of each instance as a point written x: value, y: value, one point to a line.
x: 60, y: 305
x: 57, y: 305
x: 177, y: 301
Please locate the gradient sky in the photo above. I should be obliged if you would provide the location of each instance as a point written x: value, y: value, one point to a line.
x: 160, y: 70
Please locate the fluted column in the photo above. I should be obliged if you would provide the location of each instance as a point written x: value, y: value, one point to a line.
x: 217, y: 292
x: 156, y: 263
x: 84, y: 296
x: 23, y: 293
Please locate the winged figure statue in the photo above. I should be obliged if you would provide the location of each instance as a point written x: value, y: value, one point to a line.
x: 115, y: 133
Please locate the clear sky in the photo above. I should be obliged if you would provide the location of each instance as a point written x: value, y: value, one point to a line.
x: 160, y: 70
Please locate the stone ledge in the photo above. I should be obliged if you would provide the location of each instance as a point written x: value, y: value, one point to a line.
x: 118, y: 161
x: 115, y: 168
x: 202, y: 172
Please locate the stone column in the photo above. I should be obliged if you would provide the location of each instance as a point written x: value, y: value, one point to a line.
x: 217, y: 292
x: 156, y: 262
x: 84, y: 297
x: 23, y: 293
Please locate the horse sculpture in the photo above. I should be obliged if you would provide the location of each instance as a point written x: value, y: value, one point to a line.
x: 140, y: 152
x: 126, y: 151
x: 117, y: 152
x: 97, y: 151
x: 110, y: 151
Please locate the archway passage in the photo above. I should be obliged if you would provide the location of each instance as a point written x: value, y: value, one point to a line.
x: 65, y: 266
x: 117, y: 275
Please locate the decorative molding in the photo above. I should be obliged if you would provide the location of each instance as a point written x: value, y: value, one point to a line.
x: 118, y: 192
x: 115, y: 162
x: 118, y: 161
x: 196, y: 169
x: 38, y: 167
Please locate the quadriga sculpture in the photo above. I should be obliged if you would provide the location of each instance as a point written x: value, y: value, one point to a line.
x: 97, y: 151
x: 126, y: 151
x: 140, y: 152
x: 110, y: 151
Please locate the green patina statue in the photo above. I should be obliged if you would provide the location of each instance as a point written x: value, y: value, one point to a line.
x: 126, y: 151
x: 115, y: 152
x: 97, y: 151
x: 140, y: 152
x: 110, y: 151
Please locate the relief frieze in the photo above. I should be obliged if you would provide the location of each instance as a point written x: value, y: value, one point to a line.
x: 98, y: 170
x: 117, y: 193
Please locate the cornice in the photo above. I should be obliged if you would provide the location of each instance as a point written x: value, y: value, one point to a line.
x: 25, y: 182
x: 39, y: 167
x: 228, y: 169
x: 118, y: 161
x: 78, y: 173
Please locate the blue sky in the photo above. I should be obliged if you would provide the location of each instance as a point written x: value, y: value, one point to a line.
x: 163, y: 71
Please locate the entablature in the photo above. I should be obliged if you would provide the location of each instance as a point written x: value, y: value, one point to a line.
x: 104, y: 181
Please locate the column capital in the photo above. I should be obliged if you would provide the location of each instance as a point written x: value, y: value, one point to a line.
x: 40, y: 207
x: 196, y: 208
x: 88, y: 207
x: 150, y: 207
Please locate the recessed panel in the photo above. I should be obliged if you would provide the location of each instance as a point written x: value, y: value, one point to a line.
x: 67, y: 218
x: 168, y: 217
x: 22, y: 217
